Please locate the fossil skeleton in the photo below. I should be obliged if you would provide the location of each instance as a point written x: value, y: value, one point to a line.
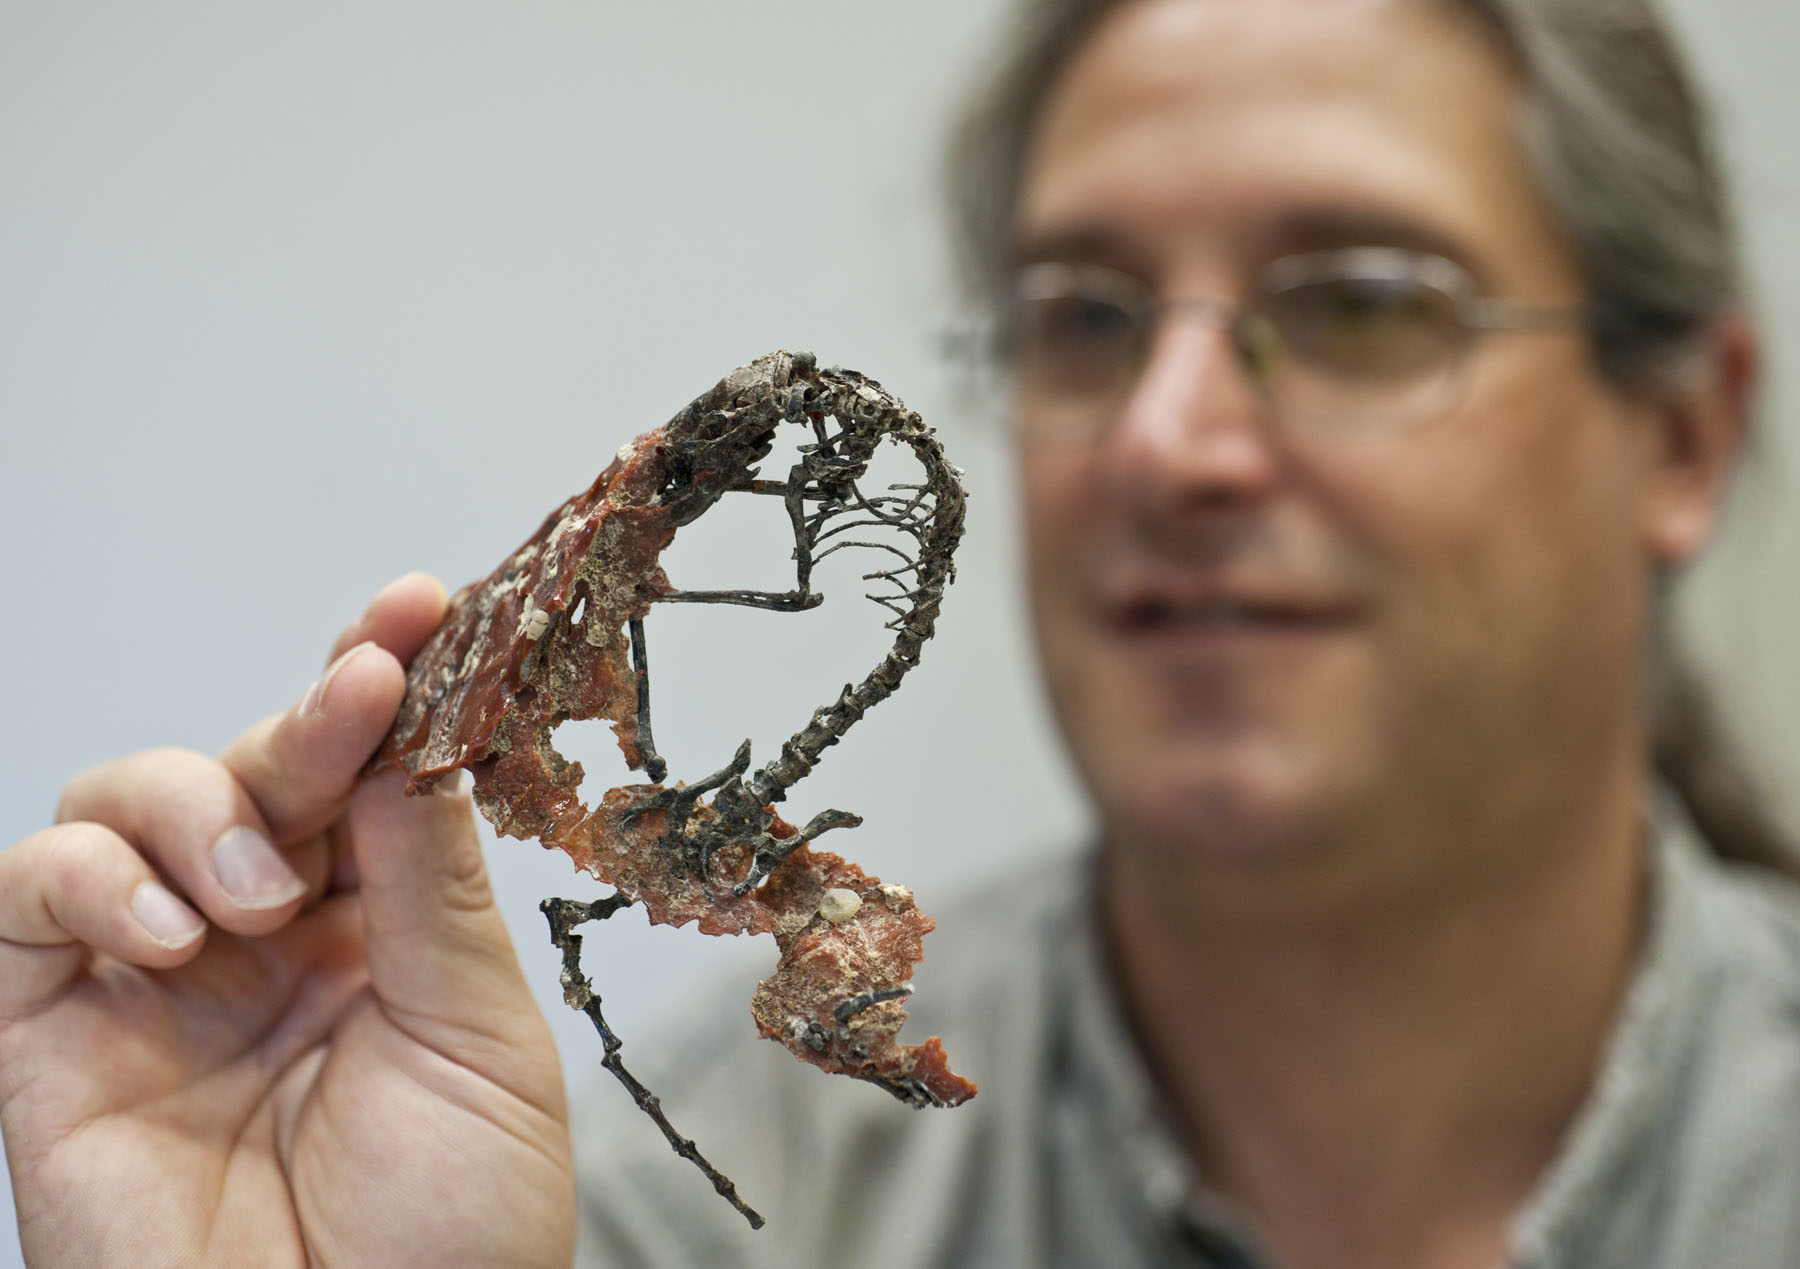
x: 557, y: 633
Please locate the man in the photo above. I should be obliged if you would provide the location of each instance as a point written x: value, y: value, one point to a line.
x: 1351, y: 469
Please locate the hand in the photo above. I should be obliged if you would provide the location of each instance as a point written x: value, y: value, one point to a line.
x: 212, y: 1052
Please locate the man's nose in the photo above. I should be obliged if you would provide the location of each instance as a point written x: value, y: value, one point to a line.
x: 1194, y: 432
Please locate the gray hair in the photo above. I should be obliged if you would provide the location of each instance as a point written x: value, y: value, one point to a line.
x: 1611, y: 126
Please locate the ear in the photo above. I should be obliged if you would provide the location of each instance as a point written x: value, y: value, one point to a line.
x: 1702, y: 422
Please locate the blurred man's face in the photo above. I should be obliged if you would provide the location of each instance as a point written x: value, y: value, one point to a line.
x: 1259, y: 640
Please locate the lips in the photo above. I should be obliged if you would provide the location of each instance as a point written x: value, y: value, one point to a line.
x: 1203, y: 607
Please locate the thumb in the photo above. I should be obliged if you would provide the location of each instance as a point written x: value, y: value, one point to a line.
x: 440, y: 960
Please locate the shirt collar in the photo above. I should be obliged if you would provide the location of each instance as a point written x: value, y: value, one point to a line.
x: 1131, y: 1124
x: 1639, y: 1074
x: 1128, y: 1121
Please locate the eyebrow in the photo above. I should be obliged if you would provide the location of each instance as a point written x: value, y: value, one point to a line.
x: 1092, y: 243
x: 1327, y: 228
x: 1293, y: 233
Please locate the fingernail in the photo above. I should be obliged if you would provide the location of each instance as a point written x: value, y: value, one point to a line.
x: 384, y: 594
x: 164, y: 917
x: 380, y: 596
x: 252, y: 872
x: 314, y: 700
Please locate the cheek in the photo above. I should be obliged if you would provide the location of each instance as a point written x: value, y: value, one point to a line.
x: 1508, y: 529
x: 1062, y: 511
x: 1058, y: 499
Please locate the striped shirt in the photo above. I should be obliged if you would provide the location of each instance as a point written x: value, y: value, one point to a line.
x: 1686, y: 1154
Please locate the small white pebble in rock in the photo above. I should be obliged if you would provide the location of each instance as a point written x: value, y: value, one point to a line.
x: 533, y: 622
x: 838, y: 905
x: 896, y: 894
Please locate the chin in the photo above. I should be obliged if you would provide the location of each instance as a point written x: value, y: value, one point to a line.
x: 1220, y: 760
x: 1228, y: 810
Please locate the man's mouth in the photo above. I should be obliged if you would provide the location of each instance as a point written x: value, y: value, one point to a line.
x: 1153, y: 613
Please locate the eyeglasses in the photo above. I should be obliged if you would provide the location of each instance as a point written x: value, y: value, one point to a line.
x: 1345, y: 343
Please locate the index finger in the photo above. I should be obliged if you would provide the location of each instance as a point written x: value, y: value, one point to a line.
x: 300, y: 766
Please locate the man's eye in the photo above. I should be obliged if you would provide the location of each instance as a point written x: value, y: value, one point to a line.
x: 1079, y: 322
x: 1359, y: 303
x: 1076, y: 346
x: 1365, y: 328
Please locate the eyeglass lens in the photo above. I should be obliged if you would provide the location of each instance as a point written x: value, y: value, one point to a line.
x: 1329, y: 351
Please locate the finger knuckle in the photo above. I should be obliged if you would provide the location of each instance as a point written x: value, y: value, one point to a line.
x: 107, y: 783
x: 79, y: 846
x: 69, y: 857
x: 179, y: 765
x: 465, y: 885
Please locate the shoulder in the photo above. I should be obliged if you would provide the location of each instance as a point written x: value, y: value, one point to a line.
x: 1730, y: 1159
x: 1746, y: 1020
x: 1748, y: 921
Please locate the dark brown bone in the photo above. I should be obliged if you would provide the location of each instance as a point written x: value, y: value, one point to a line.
x: 548, y: 637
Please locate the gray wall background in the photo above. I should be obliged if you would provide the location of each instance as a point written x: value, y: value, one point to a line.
x: 295, y: 298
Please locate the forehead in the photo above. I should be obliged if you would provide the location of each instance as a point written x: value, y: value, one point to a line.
x: 1230, y: 124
